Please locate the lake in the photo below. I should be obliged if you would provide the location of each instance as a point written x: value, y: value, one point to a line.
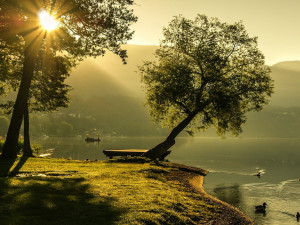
x: 232, y: 162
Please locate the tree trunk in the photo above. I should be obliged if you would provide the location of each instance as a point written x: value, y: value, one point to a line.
x: 163, y: 147
x: 10, y: 146
x: 27, y: 151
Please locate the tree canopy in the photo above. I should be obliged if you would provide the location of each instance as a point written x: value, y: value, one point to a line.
x: 84, y: 29
x: 206, y: 73
x: 48, y: 89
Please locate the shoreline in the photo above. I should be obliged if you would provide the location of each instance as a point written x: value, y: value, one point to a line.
x: 192, y: 179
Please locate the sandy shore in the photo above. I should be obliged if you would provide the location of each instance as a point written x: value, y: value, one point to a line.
x: 192, y: 179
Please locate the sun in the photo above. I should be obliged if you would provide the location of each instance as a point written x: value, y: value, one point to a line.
x: 47, y: 21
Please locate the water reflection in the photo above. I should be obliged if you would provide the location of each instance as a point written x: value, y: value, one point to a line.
x: 228, y: 193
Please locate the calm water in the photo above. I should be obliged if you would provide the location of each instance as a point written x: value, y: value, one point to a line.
x: 232, y: 164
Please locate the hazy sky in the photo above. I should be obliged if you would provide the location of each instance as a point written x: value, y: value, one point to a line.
x: 275, y: 22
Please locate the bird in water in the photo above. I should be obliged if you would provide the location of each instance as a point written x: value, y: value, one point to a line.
x: 258, y: 174
x: 261, y: 208
x: 298, y: 216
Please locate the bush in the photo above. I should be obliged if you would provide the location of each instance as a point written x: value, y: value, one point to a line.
x: 35, y: 147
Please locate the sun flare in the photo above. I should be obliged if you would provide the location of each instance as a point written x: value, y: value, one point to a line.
x: 47, y: 21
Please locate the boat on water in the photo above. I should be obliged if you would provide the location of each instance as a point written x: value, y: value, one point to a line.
x: 89, y: 139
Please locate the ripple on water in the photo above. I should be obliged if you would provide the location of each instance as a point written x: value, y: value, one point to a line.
x: 283, y: 201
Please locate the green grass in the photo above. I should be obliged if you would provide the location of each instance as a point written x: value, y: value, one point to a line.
x: 59, y: 191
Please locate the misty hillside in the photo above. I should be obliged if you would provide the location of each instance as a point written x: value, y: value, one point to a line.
x: 108, y: 76
x: 107, y: 98
x: 287, y: 84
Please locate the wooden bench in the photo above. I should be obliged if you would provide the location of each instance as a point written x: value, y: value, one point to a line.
x: 130, y: 152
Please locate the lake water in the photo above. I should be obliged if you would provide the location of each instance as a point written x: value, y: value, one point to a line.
x: 232, y: 163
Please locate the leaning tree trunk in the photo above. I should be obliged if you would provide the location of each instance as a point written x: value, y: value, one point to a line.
x: 10, y: 146
x: 27, y: 151
x: 163, y: 147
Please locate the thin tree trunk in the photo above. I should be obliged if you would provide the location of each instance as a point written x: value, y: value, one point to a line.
x: 163, y: 147
x: 27, y: 151
x: 10, y: 146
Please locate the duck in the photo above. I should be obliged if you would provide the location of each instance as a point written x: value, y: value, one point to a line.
x: 261, y: 208
x: 258, y: 174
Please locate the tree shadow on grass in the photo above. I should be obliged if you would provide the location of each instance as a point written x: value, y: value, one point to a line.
x: 6, y: 165
x: 20, y: 164
x: 38, y: 200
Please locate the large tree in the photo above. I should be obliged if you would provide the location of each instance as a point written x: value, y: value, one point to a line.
x: 206, y: 73
x: 84, y: 28
x: 48, y: 90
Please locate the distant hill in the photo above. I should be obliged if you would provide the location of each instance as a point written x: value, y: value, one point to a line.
x: 287, y: 84
x: 107, y: 97
x: 288, y: 65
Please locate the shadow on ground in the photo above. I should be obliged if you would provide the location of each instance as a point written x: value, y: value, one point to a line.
x: 6, y: 165
x: 39, y: 200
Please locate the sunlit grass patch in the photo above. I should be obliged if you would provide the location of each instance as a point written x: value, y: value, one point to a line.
x: 80, y: 192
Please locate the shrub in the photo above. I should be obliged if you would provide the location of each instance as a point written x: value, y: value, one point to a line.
x: 35, y: 146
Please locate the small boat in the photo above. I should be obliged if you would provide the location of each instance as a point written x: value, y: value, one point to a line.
x: 88, y: 139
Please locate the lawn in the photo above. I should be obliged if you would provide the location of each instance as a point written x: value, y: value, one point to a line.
x: 60, y: 191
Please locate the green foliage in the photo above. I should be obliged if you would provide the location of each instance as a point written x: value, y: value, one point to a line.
x: 86, y: 28
x: 208, y: 68
x: 19, y: 147
x: 4, y: 123
x: 35, y: 146
x: 10, y: 64
x: 48, y: 90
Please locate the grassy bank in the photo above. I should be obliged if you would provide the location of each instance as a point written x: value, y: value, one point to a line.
x: 59, y: 191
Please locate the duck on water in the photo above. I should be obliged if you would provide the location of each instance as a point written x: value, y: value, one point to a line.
x: 261, y: 208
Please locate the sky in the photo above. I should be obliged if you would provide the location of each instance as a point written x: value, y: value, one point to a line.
x: 276, y: 23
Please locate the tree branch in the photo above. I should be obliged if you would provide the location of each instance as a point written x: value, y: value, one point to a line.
x: 185, y: 108
x: 199, y: 94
